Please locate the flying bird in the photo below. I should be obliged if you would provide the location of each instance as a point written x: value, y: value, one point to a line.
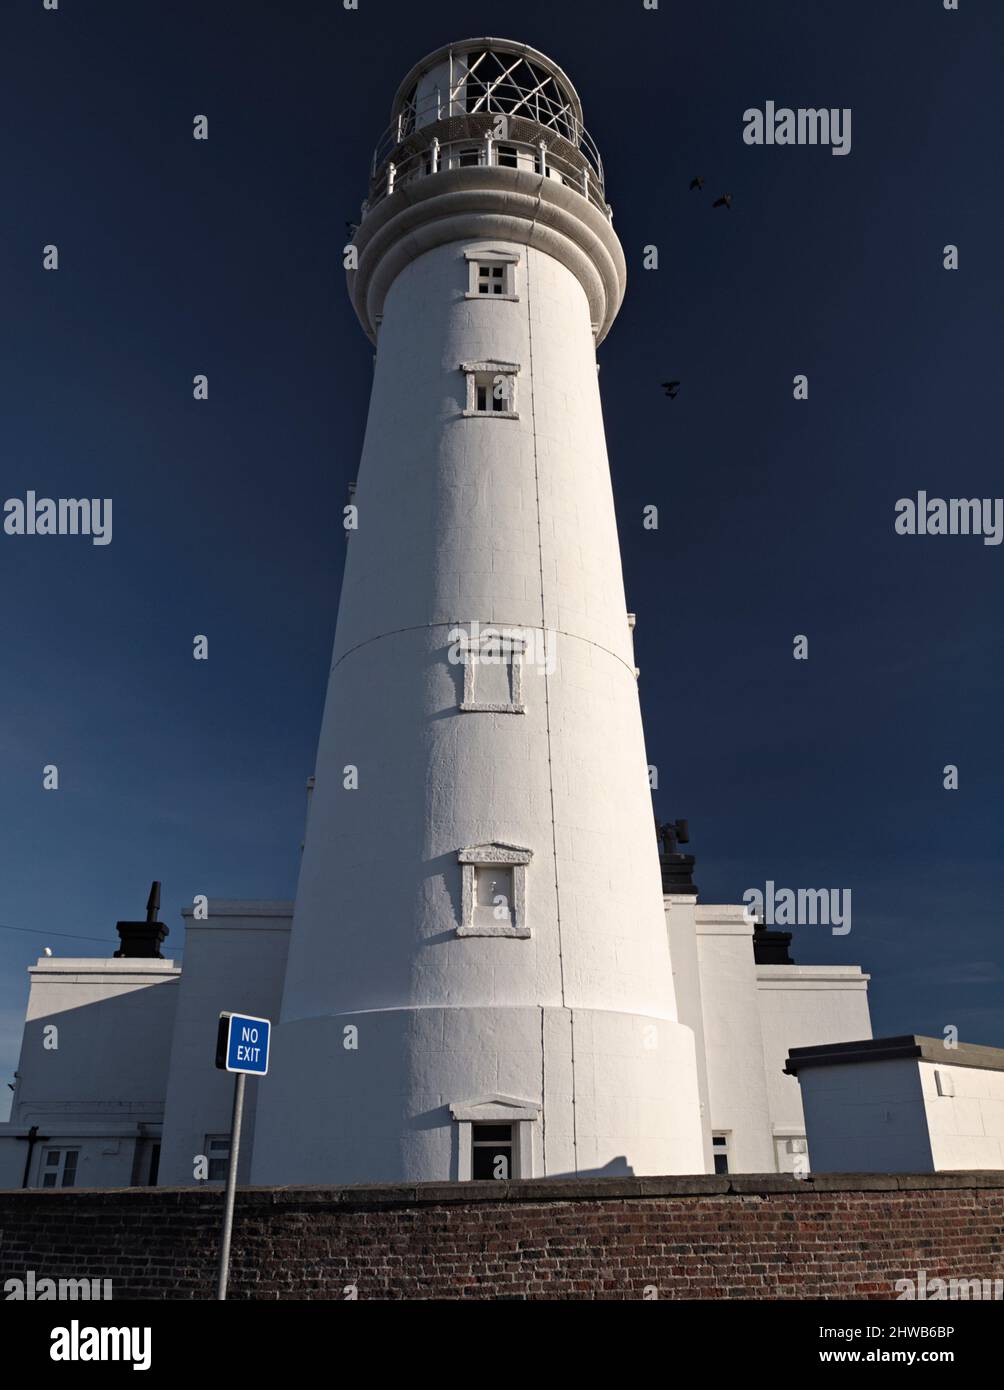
x: 671, y: 388
x: 697, y: 183
x: 725, y: 201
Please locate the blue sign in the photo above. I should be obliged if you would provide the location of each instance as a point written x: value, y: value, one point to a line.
x: 242, y: 1044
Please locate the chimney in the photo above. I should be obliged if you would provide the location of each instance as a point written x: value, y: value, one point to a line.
x: 677, y: 867
x: 143, y: 939
x: 771, y: 947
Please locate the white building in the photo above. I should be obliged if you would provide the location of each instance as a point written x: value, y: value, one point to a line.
x: 909, y: 1104
x: 89, y: 1091
x: 126, y: 1092
x: 482, y: 974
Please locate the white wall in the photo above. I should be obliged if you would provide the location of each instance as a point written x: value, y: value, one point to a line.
x: 866, y: 1118
x: 682, y: 928
x: 234, y: 960
x: 801, y: 1006
x: 966, y: 1127
x: 101, y: 1087
x: 737, y: 1084
x: 899, y: 1106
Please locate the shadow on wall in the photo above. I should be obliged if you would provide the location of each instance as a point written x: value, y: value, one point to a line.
x: 100, y: 1064
x: 616, y: 1168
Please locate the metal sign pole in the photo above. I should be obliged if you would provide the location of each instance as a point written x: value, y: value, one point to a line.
x: 228, y: 1204
x: 242, y: 1043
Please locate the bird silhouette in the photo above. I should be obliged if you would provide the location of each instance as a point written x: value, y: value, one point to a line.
x: 47, y: 950
x: 671, y: 388
x: 697, y: 183
x: 725, y: 201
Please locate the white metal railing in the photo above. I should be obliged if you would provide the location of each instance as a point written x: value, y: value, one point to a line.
x: 439, y: 156
x: 439, y: 107
x: 469, y: 92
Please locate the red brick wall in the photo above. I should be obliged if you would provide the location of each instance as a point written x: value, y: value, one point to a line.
x: 739, y: 1237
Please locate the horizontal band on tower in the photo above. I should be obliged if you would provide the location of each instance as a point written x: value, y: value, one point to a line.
x: 508, y: 204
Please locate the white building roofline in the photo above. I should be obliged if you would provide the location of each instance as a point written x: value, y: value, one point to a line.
x: 120, y: 967
x: 809, y: 976
x: 238, y: 907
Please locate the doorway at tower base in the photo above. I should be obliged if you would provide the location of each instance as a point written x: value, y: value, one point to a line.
x: 415, y: 1095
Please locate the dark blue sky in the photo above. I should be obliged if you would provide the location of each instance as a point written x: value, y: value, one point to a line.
x: 224, y: 257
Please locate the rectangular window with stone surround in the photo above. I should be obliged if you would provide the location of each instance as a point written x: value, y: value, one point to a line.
x: 491, y: 275
x: 496, y: 1138
x: 491, y: 389
x: 493, y: 674
x: 493, y: 890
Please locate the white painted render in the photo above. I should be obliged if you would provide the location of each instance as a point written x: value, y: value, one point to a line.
x: 965, y: 1115
x: 505, y: 521
x: 746, y: 1017
x: 681, y: 926
x: 235, y: 960
x: 737, y: 1083
x: 92, y: 1074
x: 803, y: 1006
x: 905, y: 1114
x: 866, y: 1119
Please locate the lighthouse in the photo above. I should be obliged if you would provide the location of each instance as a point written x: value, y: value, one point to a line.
x: 479, y: 982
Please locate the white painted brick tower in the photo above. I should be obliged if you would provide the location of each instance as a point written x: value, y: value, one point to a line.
x: 479, y: 979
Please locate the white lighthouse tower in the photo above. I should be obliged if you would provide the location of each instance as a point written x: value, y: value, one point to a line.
x: 479, y: 981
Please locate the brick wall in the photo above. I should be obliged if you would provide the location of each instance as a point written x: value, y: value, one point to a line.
x: 700, y: 1237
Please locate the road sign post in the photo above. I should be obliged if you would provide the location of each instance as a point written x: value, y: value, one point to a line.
x: 241, y: 1047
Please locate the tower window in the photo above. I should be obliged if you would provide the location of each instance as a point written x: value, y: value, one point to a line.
x: 495, y: 1137
x: 491, y: 275
x: 491, y: 389
x: 492, y: 1151
x: 491, y: 393
x: 508, y: 156
x: 491, y: 279
x: 493, y: 900
x: 493, y: 673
